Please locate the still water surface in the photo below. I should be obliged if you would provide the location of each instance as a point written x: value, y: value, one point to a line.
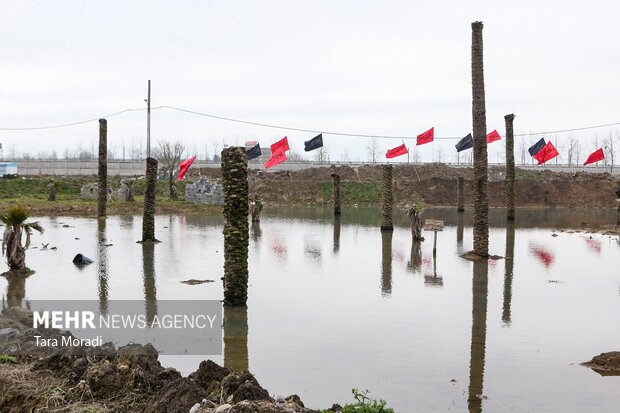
x: 337, y: 305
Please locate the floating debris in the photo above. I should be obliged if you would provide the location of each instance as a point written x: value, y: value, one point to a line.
x: 196, y: 282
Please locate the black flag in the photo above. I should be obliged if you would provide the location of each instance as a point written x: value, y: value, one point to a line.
x: 466, y: 143
x: 314, y: 143
x: 534, y: 149
x: 254, y: 152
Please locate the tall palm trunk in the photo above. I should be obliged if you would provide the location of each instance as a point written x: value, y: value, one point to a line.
x: 478, y: 336
x: 148, y: 218
x: 481, y: 201
x: 236, y: 233
x: 103, y: 168
x: 388, y: 199
x: 172, y: 190
x: 510, y: 168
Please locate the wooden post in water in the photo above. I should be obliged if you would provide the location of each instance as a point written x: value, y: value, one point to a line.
x: 481, y: 201
x: 102, y: 196
x: 336, y: 179
x: 148, y: 217
x: 510, y: 168
x: 460, y: 193
x: 434, y: 225
x: 388, y: 198
x: 236, y: 233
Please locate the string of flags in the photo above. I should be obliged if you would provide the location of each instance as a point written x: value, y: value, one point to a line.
x: 542, y: 151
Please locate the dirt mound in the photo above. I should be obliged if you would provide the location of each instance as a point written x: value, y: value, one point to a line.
x: 129, y: 379
x: 436, y: 184
x: 605, y: 364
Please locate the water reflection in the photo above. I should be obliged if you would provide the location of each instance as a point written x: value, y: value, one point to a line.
x: 15, y: 289
x: 255, y: 233
x: 528, y: 217
x: 386, y: 263
x: 312, y: 250
x: 478, y: 335
x: 433, y: 280
x: 103, y: 288
x: 126, y: 222
x: 236, y: 338
x: 545, y: 256
x: 415, y: 260
x: 508, y: 271
x: 150, y: 286
x: 336, y: 243
x: 460, y: 226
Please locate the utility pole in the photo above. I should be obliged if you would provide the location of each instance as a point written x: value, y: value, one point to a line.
x: 148, y: 123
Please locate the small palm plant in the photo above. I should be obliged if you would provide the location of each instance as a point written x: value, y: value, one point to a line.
x: 414, y: 213
x: 15, y: 221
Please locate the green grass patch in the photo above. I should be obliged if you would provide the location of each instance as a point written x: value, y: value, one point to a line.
x: 6, y: 359
x: 70, y: 187
x: 364, y: 404
x: 354, y: 192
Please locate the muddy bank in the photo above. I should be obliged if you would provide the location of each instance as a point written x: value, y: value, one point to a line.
x: 605, y: 364
x: 128, y: 379
x: 435, y: 183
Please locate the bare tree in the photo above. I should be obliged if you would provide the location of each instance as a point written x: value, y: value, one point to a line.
x: 610, y: 152
x: 572, y: 145
x: 439, y: 153
x: 169, y: 155
x: 321, y: 154
x: 295, y: 156
x: 523, y: 151
x: 373, y: 150
x: 345, y: 156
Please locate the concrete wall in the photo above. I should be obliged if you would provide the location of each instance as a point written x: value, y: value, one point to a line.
x: 61, y: 167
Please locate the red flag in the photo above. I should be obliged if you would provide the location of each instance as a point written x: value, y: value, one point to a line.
x: 547, y: 153
x: 184, y: 166
x: 426, y: 137
x: 493, y: 136
x: 595, y: 156
x: 276, y: 158
x: 394, y: 152
x: 280, y: 146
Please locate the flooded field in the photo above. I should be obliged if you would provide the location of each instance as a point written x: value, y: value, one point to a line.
x: 337, y: 304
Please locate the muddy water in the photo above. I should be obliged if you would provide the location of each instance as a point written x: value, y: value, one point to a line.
x: 337, y: 305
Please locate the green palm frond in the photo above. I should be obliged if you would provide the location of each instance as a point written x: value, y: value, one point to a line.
x: 33, y: 226
x: 16, y: 215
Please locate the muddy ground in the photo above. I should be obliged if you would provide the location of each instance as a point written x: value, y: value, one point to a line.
x: 434, y: 183
x: 128, y: 379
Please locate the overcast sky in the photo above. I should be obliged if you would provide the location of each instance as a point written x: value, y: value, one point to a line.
x: 368, y: 67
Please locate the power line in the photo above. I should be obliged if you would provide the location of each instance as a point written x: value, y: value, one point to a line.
x: 266, y: 125
x: 63, y: 125
x: 289, y: 128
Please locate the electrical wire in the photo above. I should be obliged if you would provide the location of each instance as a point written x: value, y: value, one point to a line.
x: 288, y: 128
x: 81, y: 122
x: 266, y: 125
